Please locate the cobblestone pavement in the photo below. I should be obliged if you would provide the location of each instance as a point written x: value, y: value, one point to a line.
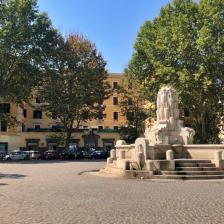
x: 54, y: 193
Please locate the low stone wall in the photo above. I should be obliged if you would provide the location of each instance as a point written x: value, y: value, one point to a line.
x: 141, y: 157
x: 127, y: 150
x: 202, y: 151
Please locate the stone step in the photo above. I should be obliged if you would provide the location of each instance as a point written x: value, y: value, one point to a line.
x: 139, y: 174
x: 188, y: 177
x: 113, y: 170
x: 179, y: 164
x: 192, y: 161
x: 192, y: 172
x: 197, y: 168
x: 112, y: 165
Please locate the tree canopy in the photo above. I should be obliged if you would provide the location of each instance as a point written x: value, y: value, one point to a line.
x: 184, y: 47
x: 75, y: 90
x: 27, y: 42
x: 133, y: 106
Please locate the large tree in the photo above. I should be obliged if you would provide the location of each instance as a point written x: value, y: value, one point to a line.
x: 27, y: 42
x: 184, y: 47
x: 133, y: 106
x: 74, y: 92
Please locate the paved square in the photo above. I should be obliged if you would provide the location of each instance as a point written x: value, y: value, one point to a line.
x: 54, y: 193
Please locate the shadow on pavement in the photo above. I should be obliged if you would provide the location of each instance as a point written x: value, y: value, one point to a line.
x: 11, y: 176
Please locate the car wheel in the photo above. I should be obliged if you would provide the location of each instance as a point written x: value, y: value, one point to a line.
x: 9, y: 159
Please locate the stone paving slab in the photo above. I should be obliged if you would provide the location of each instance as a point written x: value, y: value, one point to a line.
x: 55, y: 193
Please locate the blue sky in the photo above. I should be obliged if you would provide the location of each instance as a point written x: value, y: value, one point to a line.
x: 111, y: 24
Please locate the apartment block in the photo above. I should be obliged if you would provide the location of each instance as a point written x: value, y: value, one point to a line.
x: 35, y: 129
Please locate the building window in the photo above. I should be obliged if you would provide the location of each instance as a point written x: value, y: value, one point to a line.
x: 115, y: 100
x: 129, y: 115
x: 37, y: 99
x: 32, y: 144
x: 116, y: 127
x: 52, y: 146
x: 4, y: 108
x: 23, y: 127
x: 24, y: 112
x: 130, y: 102
x: 115, y: 85
x: 37, y: 126
x: 100, y: 127
x: 101, y: 115
x: 37, y: 114
x: 85, y: 115
x: 186, y: 113
x: 3, y: 126
x: 3, y: 148
x: 108, y: 146
x: 115, y: 116
x: 53, y: 116
x: 85, y: 127
x: 56, y: 128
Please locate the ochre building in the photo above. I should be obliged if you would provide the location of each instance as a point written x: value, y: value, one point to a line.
x: 35, y: 130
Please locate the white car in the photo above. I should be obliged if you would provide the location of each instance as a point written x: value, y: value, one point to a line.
x: 16, y: 155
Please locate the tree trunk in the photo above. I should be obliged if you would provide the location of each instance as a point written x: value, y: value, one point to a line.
x: 203, y: 130
x: 68, y: 139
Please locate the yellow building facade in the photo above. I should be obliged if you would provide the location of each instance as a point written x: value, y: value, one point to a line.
x: 35, y: 129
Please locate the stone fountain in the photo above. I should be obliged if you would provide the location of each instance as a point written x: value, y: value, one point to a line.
x: 168, y: 129
x: 167, y: 144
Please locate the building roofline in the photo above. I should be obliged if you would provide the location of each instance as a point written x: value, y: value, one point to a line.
x: 115, y: 74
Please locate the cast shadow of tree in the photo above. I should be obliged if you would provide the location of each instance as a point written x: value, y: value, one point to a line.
x: 11, y: 176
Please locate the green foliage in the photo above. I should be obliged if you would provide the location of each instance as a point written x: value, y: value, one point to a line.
x: 184, y: 47
x: 26, y: 45
x: 9, y: 119
x: 58, y: 138
x: 75, y: 90
x: 132, y: 104
x: 129, y: 134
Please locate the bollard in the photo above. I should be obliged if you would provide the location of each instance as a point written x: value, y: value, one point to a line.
x: 121, y: 154
x: 109, y: 160
x: 140, y: 160
x: 120, y: 142
x: 113, y: 154
x: 169, y: 155
x: 218, y: 155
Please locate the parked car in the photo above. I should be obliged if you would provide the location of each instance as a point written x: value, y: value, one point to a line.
x: 35, y: 155
x: 99, y: 154
x: 2, y: 155
x: 66, y: 154
x: 95, y: 153
x: 17, y: 155
x: 87, y: 154
x: 79, y: 154
x: 51, y: 154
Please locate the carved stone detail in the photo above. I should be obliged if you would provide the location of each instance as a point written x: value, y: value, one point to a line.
x: 168, y: 129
